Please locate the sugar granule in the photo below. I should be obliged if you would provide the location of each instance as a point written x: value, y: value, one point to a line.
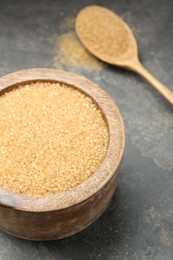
x: 52, y: 138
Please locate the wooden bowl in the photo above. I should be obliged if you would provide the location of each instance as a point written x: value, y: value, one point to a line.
x: 64, y: 214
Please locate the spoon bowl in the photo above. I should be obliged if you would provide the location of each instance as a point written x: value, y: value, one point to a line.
x: 112, y: 41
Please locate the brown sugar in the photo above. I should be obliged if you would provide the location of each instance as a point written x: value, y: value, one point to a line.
x: 52, y: 139
x: 71, y: 53
x: 103, y: 31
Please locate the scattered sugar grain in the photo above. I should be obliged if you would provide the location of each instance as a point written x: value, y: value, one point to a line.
x: 52, y: 138
x: 67, y: 24
x: 71, y: 53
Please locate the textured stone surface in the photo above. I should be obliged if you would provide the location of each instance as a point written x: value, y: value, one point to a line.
x: 138, y: 224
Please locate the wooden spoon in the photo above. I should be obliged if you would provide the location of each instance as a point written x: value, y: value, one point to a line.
x: 110, y: 39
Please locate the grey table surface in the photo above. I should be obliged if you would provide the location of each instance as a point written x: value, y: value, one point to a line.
x: 139, y: 221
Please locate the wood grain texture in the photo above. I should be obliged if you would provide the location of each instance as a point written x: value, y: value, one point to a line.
x: 64, y: 214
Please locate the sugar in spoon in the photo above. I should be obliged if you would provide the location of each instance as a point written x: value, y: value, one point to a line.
x: 110, y: 39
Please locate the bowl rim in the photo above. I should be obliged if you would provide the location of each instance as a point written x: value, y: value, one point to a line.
x: 113, y: 157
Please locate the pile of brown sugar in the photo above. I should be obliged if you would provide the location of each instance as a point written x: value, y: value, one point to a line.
x: 52, y: 138
x: 70, y: 53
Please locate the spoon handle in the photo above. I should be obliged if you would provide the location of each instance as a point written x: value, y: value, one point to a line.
x: 137, y: 67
